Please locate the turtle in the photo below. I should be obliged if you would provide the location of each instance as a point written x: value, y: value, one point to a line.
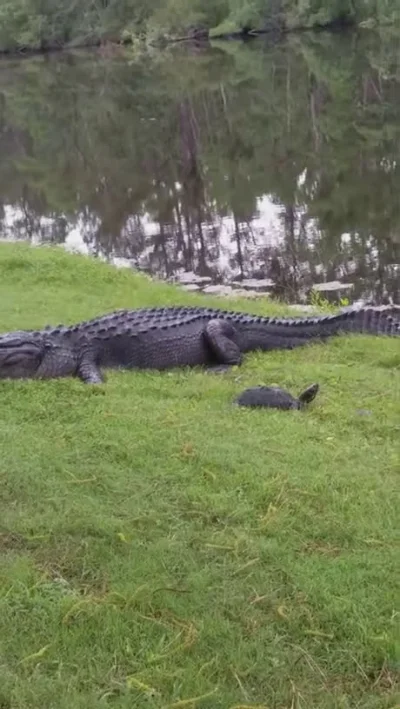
x: 275, y: 397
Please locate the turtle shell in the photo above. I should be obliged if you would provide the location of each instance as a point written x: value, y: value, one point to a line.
x: 275, y: 397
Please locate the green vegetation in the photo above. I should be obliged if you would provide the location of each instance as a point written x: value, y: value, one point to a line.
x: 162, y: 549
x: 39, y: 24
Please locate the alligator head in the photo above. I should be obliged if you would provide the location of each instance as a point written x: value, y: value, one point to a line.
x: 24, y: 355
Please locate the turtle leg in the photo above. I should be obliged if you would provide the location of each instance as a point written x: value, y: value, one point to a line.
x: 220, y: 336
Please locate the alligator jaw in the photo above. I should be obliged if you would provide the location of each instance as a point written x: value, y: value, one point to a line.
x: 20, y: 355
x: 27, y: 356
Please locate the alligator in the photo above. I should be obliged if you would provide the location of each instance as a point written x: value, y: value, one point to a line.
x: 167, y: 337
x: 276, y: 398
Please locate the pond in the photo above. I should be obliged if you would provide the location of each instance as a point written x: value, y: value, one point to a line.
x: 265, y: 166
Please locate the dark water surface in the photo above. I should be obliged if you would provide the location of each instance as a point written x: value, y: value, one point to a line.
x: 271, y: 167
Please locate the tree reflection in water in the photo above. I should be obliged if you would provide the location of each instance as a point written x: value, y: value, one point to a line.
x: 238, y: 162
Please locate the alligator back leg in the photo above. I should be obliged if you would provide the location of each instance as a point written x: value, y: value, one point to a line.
x: 220, y: 336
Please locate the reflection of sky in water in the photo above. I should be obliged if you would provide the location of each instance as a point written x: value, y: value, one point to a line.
x: 265, y: 229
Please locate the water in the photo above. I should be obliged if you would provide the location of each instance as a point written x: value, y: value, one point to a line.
x: 265, y: 167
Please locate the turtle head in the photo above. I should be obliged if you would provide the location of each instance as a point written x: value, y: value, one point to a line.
x: 308, y: 395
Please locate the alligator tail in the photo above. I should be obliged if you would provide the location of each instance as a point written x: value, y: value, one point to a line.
x: 371, y: 321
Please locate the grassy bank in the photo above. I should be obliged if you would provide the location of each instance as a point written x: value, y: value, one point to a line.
x: 160, y: 548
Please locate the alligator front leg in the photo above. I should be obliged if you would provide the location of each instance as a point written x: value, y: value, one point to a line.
x: 88, y: 371
x: 220, y: 338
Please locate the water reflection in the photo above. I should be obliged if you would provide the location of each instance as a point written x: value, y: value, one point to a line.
x: 249, y: 167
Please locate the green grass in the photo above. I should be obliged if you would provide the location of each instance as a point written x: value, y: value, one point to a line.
x: 161, y: 548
